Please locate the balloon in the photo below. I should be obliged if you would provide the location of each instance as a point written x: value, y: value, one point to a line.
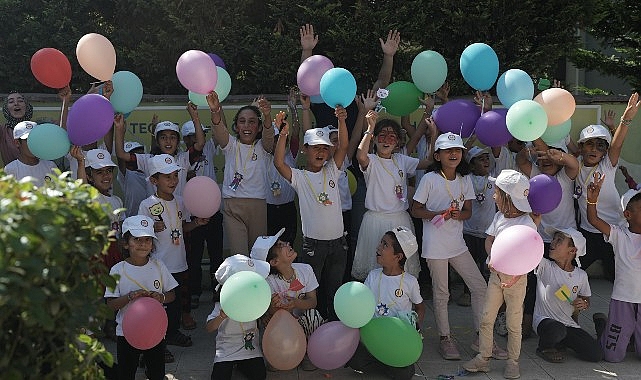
x: 402, y: 99
x: 491, y: 129
x: 198, y: 99
x: 202, y: 196
x: 392, y: 341
x: 457, y: 116
x: 48, y: 141
x: 556, y: 133
x: 90, y: 118
x: 145, y: 323
x: 338, y: 87
x: 545, y: 193
x: 245, y: 296
x: 514, y: 85
x: 332, y: 345
x: 284, y: 343
x: 127, y: 91
x: 429, y: 71
x: 223, y: 85
x: 516, y: 250
x: 197, y: 72
x: 51, y: 67
x: 317, y: 99
x: 479, y: 66
x: 351, y: 182
x: 217, y: 60
x: 310, y: 73
x: 96, y: 56
x: 558, y: 104
x: 526, y: 120
x: 354, y: 304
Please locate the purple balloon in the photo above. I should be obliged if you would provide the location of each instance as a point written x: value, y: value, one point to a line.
x: 310, y: 73
x: 545, y: 193
x: 90, y: 118
x: 332, y: 345
x: 457, y: 116
x: 491, y: 129
x: 217, y: 60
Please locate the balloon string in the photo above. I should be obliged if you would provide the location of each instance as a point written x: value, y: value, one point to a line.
x: 62, y: 111
x: 482, y: 105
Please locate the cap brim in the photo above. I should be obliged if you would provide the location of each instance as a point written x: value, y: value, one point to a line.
x: 521, y: 204
x: 167, y: 170
x: 140, y: 233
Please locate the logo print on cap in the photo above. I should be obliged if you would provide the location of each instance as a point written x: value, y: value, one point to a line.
x: 590, y: 129
x: 168, y: 160
x: 100, y: 155
x: 250, y: 262
x: 451, y: 137
x: 29, y: 126
x: 127, y: 145
x: 319, y: 133
x: 526, y: 192
x: 144, y: 223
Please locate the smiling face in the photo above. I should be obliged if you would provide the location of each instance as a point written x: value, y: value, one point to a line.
x: 16, y: 105
x: 386, y: 142
x: 480, y: 165
x: 139, y: 247
x: 317, y: 155
x: 102, y: 179
x: 165, y: 183
x: 449, y: 158
x: 593, y: 150
x: 283, y: 253
x: 247, y: 125
x: 167, y: 141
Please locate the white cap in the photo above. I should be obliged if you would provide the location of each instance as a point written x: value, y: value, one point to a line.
x: 239, y: 263
x: 448, y: 140
x: 165, y: 126
x: 517, y: 186
x: 139, y: 225
x: 560, y: 145
x: 407, y: 240
x: 263, y: 244
x: 317, y: 136
x: 131, y: 145
x: 98, y: 159
x: 188, y: 128
x: 576, y: 236
x: 625, y: 199
x: 595, y: 131
x: 22, y: 129
x: 475, y: 151
x: 162, y: 163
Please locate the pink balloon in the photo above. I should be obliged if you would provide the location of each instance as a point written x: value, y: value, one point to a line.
x: 144, y: 324
x: 310, y: 73
x: 202, y: 196
x: 197, y: 72
x: 284, y: 342
x: 558, y: 104
x: 332, y: 345
x: 90, y: 118
x: 96, y: 55
x: 517, y: 250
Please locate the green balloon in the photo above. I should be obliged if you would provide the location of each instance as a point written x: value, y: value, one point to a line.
x: 245, y: 296
x: 354, y: 304
x: 223, y: 85
x: 48, y: 141
x: 526, y: 120
x: 198, y: 99
x: 556, y: 133
x: 403, y: 98
x: 392, y: 341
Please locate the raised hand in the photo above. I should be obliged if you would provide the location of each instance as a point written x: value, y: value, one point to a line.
x: 213, y: 102
x: 390, y: 46
x: 443, y: 92
x: 607, y: 118
x: 308, y: 39
x: 192, y: 109
x: 594, y: 187
x: 483, y: 99
x: 369, y: 101
x: 632, y: 108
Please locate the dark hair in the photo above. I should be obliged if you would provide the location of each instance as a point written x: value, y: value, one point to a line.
x: 397, y: 247
x: 125, y: 240
x: 463, y: 167
x: 155, y: 149
x: 635, y: 198
x: 258, y: 114
x: 271, y: 254
x: 384, y: 123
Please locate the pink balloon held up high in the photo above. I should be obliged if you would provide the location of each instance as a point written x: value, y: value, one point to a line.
x: 197, y: 72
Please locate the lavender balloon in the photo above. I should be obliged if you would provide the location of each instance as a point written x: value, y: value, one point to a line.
x: 457, y: 116
x: 491, y: 129
x: 90, y: 118
x: 310, y: 73
x: 217, y: 60
x: 545, y: 193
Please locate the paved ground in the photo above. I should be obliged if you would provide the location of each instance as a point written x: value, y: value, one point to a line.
x: 195, y: 362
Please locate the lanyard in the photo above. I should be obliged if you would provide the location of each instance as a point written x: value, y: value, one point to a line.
x: 381, y: 308
x: 400, y: 172
x: 250, y: 153
x: 139, y: 284
x: 322, y: 198
x: 447, y: 187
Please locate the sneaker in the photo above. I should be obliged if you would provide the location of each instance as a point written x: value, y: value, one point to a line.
x: 600, y: 321
x: 307, y: 365
x: 511, y: 370
x: 497, y: 352
x: 179, y: 339
x: 500, y: 326
x: 477, y: 364
x: 464, y: 300
x: 448, y: 350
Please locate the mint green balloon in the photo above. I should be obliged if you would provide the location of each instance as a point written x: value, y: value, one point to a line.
x: 392, y: 341
x: 198, y: 99
x: 127, y: 91
x: 556, y: 133
x: 429, y: 71
x: 526, y: 120
x: 245, y: 296
x: 223, y: 86
x: 48, y: 141
x: 403, y: 98
x: 354, y: 304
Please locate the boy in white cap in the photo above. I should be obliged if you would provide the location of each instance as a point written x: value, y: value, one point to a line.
x: 600, y: 157
x: 132, y: 180
x: 28, y: 165
x: 324, y: 245
x: 561, y: 288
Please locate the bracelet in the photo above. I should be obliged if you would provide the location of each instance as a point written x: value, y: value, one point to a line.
x: 368, y: 133
x: 129, y: 297
x: 305, y: 108
x: 216, y: 110
x: 219, y: 122
x: 163, y: 297
x: 561, y: 159
x: 591, y: 203
x: 283, y: 134
x: 626, y: 122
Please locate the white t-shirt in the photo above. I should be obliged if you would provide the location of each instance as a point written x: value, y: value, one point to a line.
x: 505, y: 160
x: 550, y: 278
x: 393, y: 294
x: 609, y: 206
x: 304, y: 282
x: 172, y: 213
x: 500, y: 222
x: 422, y: 152
x: 235, y: 340
x: 563, y: 215
x: 182, y: 160
x: 205, y: 164
x: 111, y: 204
x: 320, y: 221
x: 483, y: 206
x: 249, y: 161
x: 153, y: 276
x: 135, y: 188
x: 40, y: 173
x: 627, y: 264
x: 343, y: 186
x: 385, y: 177
x: 276, y: 184
x: 436, y: 193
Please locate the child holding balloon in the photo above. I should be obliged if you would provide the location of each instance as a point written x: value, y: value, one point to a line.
x: 139, y: 275
x: 27, y: 164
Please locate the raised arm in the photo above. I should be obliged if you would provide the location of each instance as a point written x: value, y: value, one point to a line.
x: 119, y: 128
x: 308, y: 41
x: 364, y: 103
x: 78, y: 154
x: 281, y: 147
x: 619, y: 135
x: 594, y: 188
x: 431, y: 135
x: 220, y: 133
x: 363, y: 147
x: 343, y: 137
x: 306, y: 104
x: 65, y: 96
x: 192, y: 109
x: 267, y: 138
x: 389, y: 47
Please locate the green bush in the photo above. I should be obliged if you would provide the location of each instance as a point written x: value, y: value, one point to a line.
x: 51, y: 280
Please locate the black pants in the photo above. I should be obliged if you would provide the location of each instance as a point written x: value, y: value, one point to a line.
x: 179, y: 305
x: 279, y: 216
x: 128, y: 357
x: 598, y: 249
x: 212, y: 233
x: 364, y: 361
x: 347, y: 222
x: 253, y: 369
x: 552, y: 333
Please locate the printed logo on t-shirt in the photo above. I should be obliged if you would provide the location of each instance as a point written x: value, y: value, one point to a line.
x: 156, y: 284
x: 48, y: 178
x: 575, y: 289
x: 332, y: 184
x: 254, y: 157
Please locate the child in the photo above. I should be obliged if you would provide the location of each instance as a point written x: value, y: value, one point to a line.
x: 324, y: 246
x: 139, y: 276
x: 562, y: 287
x: 443, y: 200
x: 600, y: 157
x: 386, y: 176
x: 237, y: 343
x: 168, y: 213
x: 28, y: 165
x: 397, y: 294
x: 15, y: 109
x: 132, y: 180
x: 510, y: 194
x: 244, y: 190
x: 293, y: 284
x: 623, y: 319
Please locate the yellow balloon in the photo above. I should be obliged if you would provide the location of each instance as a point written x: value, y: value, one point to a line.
x: 351, y: 181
